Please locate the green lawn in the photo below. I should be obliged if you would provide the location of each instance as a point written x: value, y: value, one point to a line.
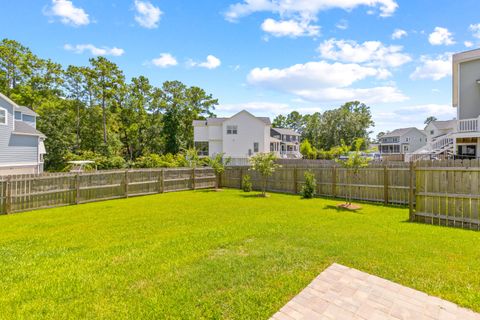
x: 207, y: 254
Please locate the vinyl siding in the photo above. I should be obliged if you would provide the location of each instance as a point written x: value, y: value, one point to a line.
x: 15, y: 149
x: 469, y: 90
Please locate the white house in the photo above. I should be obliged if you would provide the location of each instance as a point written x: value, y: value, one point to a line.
x: 402, y: 141
x: 244, y: 135
x: 21, y: 144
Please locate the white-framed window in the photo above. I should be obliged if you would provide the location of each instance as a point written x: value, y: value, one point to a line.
x: 255, y: 147
x: 232, y: 129
x: 3, y: 116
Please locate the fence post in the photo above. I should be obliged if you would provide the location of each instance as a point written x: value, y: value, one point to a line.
x: 77, y: 188
x: 162, y: 181
x: 295, y: 180
x: 411, y: 196
x: 8, y: 195
x: 193, y: 179
x: 241, y: 177
x: 385, y: 184
x: 334, y: 181
x: 126, y: 183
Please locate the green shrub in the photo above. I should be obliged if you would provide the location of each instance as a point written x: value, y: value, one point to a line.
x: 101, y: 162
x: 246, y: 183
x: 161, y: 161
x: 310, y: 186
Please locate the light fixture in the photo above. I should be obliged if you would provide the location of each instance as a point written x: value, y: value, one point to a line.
x: 478, y: 81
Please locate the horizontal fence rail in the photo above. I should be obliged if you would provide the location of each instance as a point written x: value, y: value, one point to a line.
x: 27, y: 192
x: 448, y: 193
x: 376, y: 183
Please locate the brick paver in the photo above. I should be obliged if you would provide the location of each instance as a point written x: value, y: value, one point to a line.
x: 342, y: 293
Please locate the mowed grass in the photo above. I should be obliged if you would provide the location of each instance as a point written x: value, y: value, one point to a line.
x: 205, y: 254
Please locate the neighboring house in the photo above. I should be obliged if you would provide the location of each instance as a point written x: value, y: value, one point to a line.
x: 244, y: 135
x: 21, y: 145
x: 402, y: 141
x: 460, y: 137
x: 437, y: 129
x: 466, y: 98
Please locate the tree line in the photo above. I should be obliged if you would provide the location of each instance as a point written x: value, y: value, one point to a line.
x: 94, y: 111
x: 328, y: 134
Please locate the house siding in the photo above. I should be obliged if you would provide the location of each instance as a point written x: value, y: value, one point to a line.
x: 16, y: 149
x: 469, y: 90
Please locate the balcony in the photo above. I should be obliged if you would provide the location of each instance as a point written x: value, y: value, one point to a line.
x: 467, y: 125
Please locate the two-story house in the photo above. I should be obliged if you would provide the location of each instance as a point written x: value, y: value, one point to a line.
x: 21, y: 144
x: 244, y: 135
x: 402, y: 141
x: 466, y: 99
x: 460, y: 137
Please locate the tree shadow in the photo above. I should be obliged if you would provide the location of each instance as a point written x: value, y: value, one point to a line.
x: 341, y: 209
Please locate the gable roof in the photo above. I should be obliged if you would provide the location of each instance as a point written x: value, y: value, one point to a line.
x: 286, y: 131
x: 25, y: 129
x: 218, y: 121
x: 24, y: 110
x: 27, y: 111
x: 400, y: 132
x: 443, y: 125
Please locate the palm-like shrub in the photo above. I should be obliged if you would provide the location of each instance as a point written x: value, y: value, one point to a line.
x: 265, y: 165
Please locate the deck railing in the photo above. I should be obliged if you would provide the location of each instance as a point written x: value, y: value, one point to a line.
x: 467, y: 125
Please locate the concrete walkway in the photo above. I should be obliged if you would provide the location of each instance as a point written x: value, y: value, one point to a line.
x: 340, y: 293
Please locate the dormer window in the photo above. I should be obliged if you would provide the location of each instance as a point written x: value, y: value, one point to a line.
x: 3, y: 116
x: 18, y: 115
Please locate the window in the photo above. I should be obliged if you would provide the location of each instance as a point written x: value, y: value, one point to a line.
x: 18, y: 115
x: 3, y: 116
x: 232, y: 130
x: 255, y: 147
x: 432, y: 132
x: 202, y: 148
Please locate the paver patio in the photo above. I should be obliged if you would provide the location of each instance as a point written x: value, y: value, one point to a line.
x: 340, y: 293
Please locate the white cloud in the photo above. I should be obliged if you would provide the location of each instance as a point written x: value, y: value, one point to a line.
x: 265, y: 108
x: 305, y: 8
x: 212, y: 62
x: 399, y: 34
x: 384, y: 94
x: 95, y: 51
x: 165, y: 60
x: 408, y: 116
x: 68, y: 13
x: 147, y: 15
x: 475, y: 28
x: 290, y: 28
x: 372, y: 53
x: 468, y: 44
x: 435, y: 68
x: 342, y: 24
x: 441, y: 36
x: 323, y: 81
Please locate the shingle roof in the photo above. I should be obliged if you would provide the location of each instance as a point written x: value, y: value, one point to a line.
x: 442, y: 125
x: 213, y: 121
x: 398, y: 132
x: 286, y: 131
x: 23, y: 128
x: 26, y: 110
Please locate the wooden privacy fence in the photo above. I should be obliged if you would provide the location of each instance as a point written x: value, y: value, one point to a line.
x: 448, y: 193
x: 26, y: 192
x: 376, y: 183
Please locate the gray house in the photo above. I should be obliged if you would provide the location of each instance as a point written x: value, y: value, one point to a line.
x: 21, y: 144
x: 402, y: 141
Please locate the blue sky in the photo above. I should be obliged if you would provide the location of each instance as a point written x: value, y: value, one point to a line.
x: 268, y: 56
